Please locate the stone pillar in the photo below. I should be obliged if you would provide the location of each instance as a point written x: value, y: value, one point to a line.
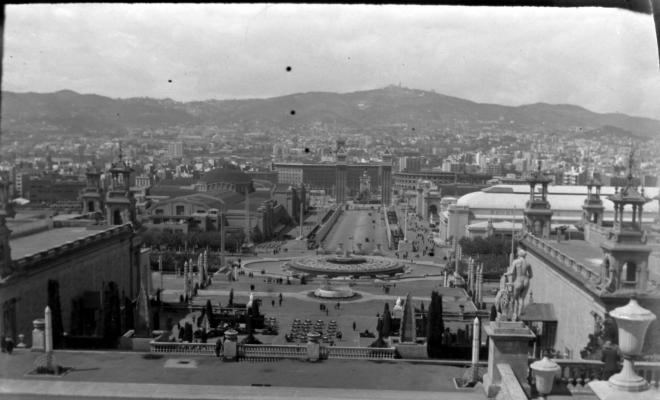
x: 38, y: 335
x: 48, y: 341
x: 476, y: 328
x: 508, y: 344
x: 230, y: 346
x: 313, y: 346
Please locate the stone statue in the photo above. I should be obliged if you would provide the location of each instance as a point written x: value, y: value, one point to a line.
x: 519, y: 274
x: 503, y: 304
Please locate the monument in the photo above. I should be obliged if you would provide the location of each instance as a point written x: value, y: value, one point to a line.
x: 514, y: 285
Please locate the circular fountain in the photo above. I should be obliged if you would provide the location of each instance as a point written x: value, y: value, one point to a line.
x: 328, y: 291
x: 345, y: 265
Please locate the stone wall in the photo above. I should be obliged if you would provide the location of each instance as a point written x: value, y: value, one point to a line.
x: 574, y: 305
x: 80, y: 269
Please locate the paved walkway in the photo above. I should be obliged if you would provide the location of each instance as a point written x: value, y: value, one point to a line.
x: 43, y: 388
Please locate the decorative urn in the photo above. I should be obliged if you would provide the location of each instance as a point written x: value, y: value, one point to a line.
x: 632, y: 321
x: 545, y: 371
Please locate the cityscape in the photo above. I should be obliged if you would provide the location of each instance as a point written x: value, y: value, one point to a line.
x: 329, y: 201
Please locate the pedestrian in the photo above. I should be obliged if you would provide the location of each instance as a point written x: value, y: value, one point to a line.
x: 218, y: 347
x: 610, y: 358
x: 9, y: 345
x: 327, y: 312
x: 354, y: 326
x: 272, y: 302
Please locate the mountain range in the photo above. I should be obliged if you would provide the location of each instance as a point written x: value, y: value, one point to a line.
x: 70, y: 112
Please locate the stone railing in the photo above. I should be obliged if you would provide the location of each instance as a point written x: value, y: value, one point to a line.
x: 575, y: 375
x: 510, y: 388
x: 649, y: 370
x: 357, y: 353
x: 274, y: 351
x: 270, y: 351
x: 206, y: 349
x: 591, y: 278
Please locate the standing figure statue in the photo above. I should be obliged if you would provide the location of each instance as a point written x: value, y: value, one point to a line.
x: 519, y: 274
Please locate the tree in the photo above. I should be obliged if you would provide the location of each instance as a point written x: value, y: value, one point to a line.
x: 435, y: 328
x: 55, y: 312
x: 387, y: 321
x: 231, y: 297
x: 209, y: 313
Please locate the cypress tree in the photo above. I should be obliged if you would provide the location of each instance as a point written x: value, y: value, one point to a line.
x: 209, y: 313
x: 55, y: 312
x: 231, y: 297
x: 387, y: 321
x: 435, y: 326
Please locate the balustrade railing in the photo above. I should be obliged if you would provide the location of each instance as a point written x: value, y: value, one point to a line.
x: 361, y: 353
x: 649, y: 370
x: 272, y: 351
x: 576, y: 374
x: 182, y: 348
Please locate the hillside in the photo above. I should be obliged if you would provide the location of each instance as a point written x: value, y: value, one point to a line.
x: 69, y: 112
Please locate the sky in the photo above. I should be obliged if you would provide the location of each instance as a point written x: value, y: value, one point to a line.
x: 605, y: 60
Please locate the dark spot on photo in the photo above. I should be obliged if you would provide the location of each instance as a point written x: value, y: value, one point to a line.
x: 293, y: 112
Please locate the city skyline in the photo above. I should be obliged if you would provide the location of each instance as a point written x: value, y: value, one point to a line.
x: 602, y: 59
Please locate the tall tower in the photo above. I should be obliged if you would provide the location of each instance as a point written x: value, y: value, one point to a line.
x: 6, y: 265
x: 626, y: 252
x: 340, y: 182
x: 119, y: 201
x: 386, y: 178
x: 92, y: 195
x: 593, y: 205
x: 537, y: 213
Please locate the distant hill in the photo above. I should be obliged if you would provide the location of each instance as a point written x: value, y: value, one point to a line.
x: 67, y: 111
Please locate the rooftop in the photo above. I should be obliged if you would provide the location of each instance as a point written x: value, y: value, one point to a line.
x: 45, y: 240
x: 131, y: 375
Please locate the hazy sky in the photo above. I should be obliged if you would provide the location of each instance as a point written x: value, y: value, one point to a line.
x: 603, y: 59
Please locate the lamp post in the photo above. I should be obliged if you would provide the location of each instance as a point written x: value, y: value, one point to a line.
x: 545, y: 371
x: 632, y: 321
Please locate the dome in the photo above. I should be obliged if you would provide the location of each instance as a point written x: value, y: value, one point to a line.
x: 226, y: 175
x: 561, y: 198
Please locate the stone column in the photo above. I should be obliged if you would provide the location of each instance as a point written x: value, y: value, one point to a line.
x: 476, y: 327
x: 508, y: 344
x: 230, y: 346
x: 313, y: 346
x: 48, y: 341
x: 38, y: 335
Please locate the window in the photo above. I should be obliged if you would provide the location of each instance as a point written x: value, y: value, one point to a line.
x: 159, y: 211
x: 180, y: 210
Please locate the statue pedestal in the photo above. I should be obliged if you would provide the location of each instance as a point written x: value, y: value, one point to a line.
x: 508, y: 344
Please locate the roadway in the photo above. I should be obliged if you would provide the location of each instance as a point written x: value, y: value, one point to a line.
x: 359, y: 225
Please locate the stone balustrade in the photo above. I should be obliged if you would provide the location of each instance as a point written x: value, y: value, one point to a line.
x: 576, y: 374
x: 562, y: 258
x: 360, y: 353
x: 649, y: 370
x: 272, y: 351
x: 182, y: 348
